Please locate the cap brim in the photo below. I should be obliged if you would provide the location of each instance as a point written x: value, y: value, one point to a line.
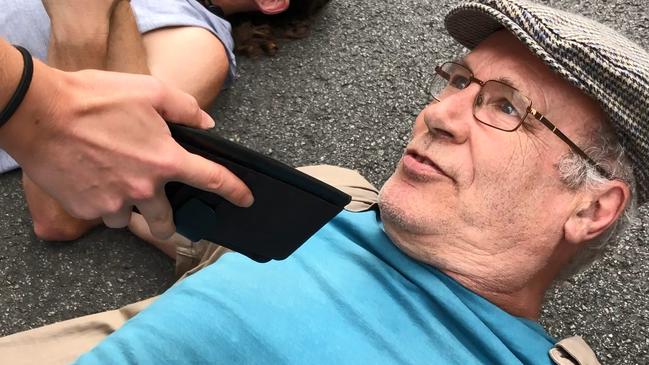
x: 470, y: 27
x: 590, y: 56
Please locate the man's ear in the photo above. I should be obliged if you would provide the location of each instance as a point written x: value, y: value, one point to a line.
x: 599, y: 210
x: 272, y: 7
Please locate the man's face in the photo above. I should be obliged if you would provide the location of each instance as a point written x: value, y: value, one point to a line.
x: 465, y: 186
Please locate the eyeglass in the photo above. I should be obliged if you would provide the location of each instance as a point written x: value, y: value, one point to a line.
x: 497, y: 105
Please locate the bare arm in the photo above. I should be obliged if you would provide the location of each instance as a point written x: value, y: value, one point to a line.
x: 11, y: 65
x: 112, y: 41
x: 101, y: 150
x: 190, y: 58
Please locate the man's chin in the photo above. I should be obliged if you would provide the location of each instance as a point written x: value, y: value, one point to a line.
x: 402, y: 226
x: 409, y: 208
x: 396, y: 210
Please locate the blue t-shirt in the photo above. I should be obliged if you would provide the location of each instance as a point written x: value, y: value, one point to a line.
x: 347, y: 296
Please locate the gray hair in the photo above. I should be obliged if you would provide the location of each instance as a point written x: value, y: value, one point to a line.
x: 603, y: 147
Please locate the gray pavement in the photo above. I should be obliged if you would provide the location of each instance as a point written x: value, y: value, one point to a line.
x: 345, y: 96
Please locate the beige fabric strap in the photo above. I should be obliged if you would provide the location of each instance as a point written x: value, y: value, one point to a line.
x: 573, y: 351
x: 364, y: 195
x: 63, y: 342
x: 189, y: 255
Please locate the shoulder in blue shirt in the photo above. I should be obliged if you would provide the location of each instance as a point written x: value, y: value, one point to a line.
x: 347, y: 296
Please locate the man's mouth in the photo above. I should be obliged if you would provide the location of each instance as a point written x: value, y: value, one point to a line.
x: 421, y: 167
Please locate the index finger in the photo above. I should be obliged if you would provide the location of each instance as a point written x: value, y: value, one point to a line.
x: 206, y: 175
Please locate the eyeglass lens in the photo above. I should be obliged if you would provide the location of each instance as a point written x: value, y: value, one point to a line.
x: 498, y: 104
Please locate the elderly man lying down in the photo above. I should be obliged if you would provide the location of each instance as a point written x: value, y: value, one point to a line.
x: 530, y: 156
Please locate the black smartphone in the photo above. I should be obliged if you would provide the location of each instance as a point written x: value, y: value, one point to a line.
x: 289, y: 206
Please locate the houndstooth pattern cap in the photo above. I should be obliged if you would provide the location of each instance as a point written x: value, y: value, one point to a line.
x: 596, y: 59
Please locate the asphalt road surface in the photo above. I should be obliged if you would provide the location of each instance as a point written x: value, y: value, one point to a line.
x: 346, y: 96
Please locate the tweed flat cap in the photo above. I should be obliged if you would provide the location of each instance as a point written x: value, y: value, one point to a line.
x: 605, y: 65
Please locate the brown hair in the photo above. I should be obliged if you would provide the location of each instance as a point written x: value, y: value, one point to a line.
x: 256, y: 34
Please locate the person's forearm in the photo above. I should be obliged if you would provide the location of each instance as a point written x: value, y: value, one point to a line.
x: 11, y: 66
x: 97, y: 142
x: 125, y: 51
x: 38, y: 99
x: 79, y: 32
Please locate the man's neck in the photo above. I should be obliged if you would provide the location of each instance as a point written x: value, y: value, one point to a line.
x: 525, y: 302
x: 513, y: 280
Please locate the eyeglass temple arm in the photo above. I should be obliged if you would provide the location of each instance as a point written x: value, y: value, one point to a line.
x: 567, y: 140
x: 442, y: 73
x: 447, y: 76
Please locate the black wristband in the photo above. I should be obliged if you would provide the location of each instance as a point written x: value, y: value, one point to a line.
x: 23, y: 86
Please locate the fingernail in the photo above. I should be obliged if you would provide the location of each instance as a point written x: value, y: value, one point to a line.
x: 210, y: 121
x: 247, y: 201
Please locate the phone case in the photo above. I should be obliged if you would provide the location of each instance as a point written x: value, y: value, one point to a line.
x: 289, y: 206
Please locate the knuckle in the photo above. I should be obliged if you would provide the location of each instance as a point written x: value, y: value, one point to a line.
x: 161, y: 216
x: 112, y: 205
x: 142, y: 190
x: 168, y: 162
x: 158, y: 89
x: 193, y: 104
x: 162, y: 231
x: 216, y: 179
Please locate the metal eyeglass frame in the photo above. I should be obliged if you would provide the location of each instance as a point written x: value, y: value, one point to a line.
x: 540, y: 117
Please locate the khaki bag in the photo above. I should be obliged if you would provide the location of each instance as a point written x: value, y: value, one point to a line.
x: 573, y: 351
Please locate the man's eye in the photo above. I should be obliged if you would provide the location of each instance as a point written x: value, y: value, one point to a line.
x: 507, y: 108
x: 459, y: 82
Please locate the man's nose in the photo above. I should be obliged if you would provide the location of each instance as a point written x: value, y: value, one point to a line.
x: 451, y: 118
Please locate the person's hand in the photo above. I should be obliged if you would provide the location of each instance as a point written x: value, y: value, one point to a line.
x: 98, y: 143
